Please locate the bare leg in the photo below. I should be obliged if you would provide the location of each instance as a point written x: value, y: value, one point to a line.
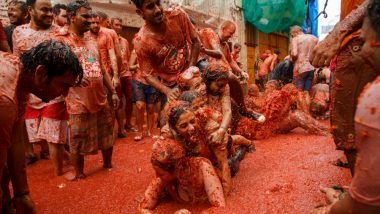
x: 56, y: 155
x: 212, y: 185
x: 17, y: 170
x: 236, y: 91
x: 44, y: 154
x: 140, y: 110
x: 78, y: 161
x: 221, y: 156
x: 150, y: 118
x: 107, y: 158
x: 301, y: 119
x: 3, y: 158
x: 119, y: 118
x: 151, y: 195
x: 157, y: 108
x: 31, y: 157
x: 240, y: 140
x: 128, y: 102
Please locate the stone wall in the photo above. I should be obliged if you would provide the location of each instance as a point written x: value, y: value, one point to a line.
x: 3, y: 11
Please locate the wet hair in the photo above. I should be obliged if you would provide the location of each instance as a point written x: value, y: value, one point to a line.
x: 213, y: 72
x: 58, y: 7
x: 373, y: 14
x: 102, y: 15
x: 22, y: 5
x: 116, y: 18
x: 175, y: 113
x: 237, y: 45
x: 189, y: 96
x: 73, y: 7
x: 56, y: 57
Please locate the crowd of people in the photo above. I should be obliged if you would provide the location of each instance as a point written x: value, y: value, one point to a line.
x: 68, y: 78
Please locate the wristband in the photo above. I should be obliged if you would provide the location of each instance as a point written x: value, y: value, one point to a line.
x: 224, y: 128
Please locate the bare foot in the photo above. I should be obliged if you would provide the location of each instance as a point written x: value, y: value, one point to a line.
x: 138, y: 137
x: 80, y: 176
x: 70, y: 176
x: 332, y: 195
x: 24, y: 204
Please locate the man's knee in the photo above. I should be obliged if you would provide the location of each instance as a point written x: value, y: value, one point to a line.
x: 140, y: 105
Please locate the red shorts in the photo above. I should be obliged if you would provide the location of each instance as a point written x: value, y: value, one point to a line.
x: 48, y: 123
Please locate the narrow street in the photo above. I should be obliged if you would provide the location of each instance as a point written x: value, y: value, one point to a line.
x: 283, y: 176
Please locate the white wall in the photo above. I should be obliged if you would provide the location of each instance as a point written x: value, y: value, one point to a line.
x: 333, y: 12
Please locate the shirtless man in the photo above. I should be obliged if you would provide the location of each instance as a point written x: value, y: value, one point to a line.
x: 162, y: 46
x: 275, y: 60
x: 60, y: 15
x: 302, y: 45
x: 18, y: 15
x: 48, y: 71
x: 350, y: 76
x: 264, y: 69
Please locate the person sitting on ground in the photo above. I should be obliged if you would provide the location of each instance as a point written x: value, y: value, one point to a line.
x: 302, y: 98
x: 320, y: 98
x: 210, y: 120
x: 282, y: 115
x: 185, y: 179
x: 196, y: 140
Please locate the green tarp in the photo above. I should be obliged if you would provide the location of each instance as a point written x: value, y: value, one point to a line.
x: 274, y: 15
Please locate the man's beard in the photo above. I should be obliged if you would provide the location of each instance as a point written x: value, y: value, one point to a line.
x: 40, y: 23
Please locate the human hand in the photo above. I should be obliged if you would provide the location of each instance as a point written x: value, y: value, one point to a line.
x: 322, y: 210
x: 323, y: 52
x: 115, y: 81
x: 172, y: 94
x: 115, y: 101
x: 216, y: 137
